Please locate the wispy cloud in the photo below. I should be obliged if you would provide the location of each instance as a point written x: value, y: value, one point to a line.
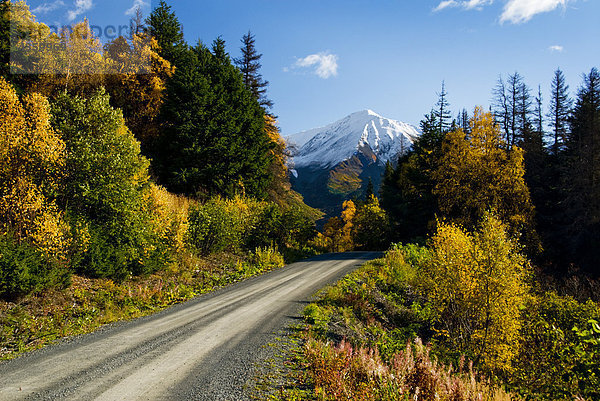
x: 48, y: 7
x: 520, y: 11
x: 324, y: 64
x: 446, y: 4
x: 514, y: 11
x: 137, y: 4
x: 556, y: 48
x: 81, y: 6
x: 464, y: 4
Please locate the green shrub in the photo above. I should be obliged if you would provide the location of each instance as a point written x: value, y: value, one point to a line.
x: 25, y: 269
x: 559, y: 347
x: 219, y: 224
x: 268, y: 229
x: 105, y: 191
x: 290, y: 228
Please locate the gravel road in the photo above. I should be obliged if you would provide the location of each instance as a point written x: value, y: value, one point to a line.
x: 204, y: 349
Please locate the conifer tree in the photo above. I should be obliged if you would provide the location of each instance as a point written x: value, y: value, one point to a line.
x: 249, y: 65
x: 538, y: 120
x: 214, y: 142
x: 369, y: 191
x: 512, y: 107
x: 442, y: 111
x: 581, y: 182
x: 164, y: 26
x: 407, y: 191
x: 560, y: 108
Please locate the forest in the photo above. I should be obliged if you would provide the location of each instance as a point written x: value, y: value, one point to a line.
x: 490, y: 229
x: 134, y: 174
x: 141, y: 172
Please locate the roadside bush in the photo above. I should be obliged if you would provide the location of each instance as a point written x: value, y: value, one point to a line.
x: 371, y: 226
x: 265, y: 259
x: 290, y: 228
x: 170, y: 213
x: 25, y: 269
x: 221, y: 224
x: 477, y: 286
x: 559, y: 350
x: 347, y: 372
x: 32, y: 159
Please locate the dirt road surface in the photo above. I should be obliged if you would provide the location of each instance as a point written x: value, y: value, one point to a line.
x: 204, y: 349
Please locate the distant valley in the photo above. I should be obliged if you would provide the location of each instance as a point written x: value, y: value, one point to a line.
x: 334, y: 163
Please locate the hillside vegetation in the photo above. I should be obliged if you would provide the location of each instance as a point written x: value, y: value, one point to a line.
x: 140, y: 173
x: 499, y: 279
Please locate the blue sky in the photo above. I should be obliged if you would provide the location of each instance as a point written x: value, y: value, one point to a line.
x: 328, y: 58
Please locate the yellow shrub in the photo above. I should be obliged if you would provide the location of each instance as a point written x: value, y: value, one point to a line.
x: 170, y: 216
x: 32, y: 161
x: 476, y: 283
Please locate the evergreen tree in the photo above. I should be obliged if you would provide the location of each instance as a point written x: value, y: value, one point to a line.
x: 214, y: 141
x: 407, y: 191
x: 370, y: 192
x: 249, y: 65
x: 582, y: 181
x: 164, y: 26
x: 462, y: 121
x: 442, y: 111
x: 560, y: 108
x: 538, y: 120
x: 524, y: 110
x: 511, y: 107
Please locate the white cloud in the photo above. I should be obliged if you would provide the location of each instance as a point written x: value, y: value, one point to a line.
x: 137, y: 4
x: 81, y: 6
x: 323, y: 64
x: 476, y: 4
x: 519, y: 11
x: 48, y: 7
x: 446, y: 4
x: 556, y: 48
x: 464, y: 4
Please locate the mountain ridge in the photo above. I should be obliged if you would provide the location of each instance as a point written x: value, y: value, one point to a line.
x: 335, y: 162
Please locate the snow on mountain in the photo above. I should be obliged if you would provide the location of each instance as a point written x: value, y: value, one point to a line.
x: 364, y: 130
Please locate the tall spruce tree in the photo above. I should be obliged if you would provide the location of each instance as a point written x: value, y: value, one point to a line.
x: 560, y: 109
x: 442, y: 111
x: 583, y: 177
x: 407, y: 191
x: 249, y: 64
x: 511, y: 105
x: 164, y: 26
x: 215, y: 141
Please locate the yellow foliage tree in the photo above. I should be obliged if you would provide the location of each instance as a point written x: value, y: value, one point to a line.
x: 32, y: 158
x: 477, y: 284
x: 136, y: 82
x: 75, y: 61
x: 280, y: 185
x: 370, y: 229
x: 337, y: 235
x: 477, y: 174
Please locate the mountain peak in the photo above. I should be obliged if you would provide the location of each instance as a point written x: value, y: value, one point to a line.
x: 366, y: 112
x: 339, y: 141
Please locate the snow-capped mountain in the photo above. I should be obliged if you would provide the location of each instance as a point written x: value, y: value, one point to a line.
x: 365, y: 131
x: 336, y: 162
